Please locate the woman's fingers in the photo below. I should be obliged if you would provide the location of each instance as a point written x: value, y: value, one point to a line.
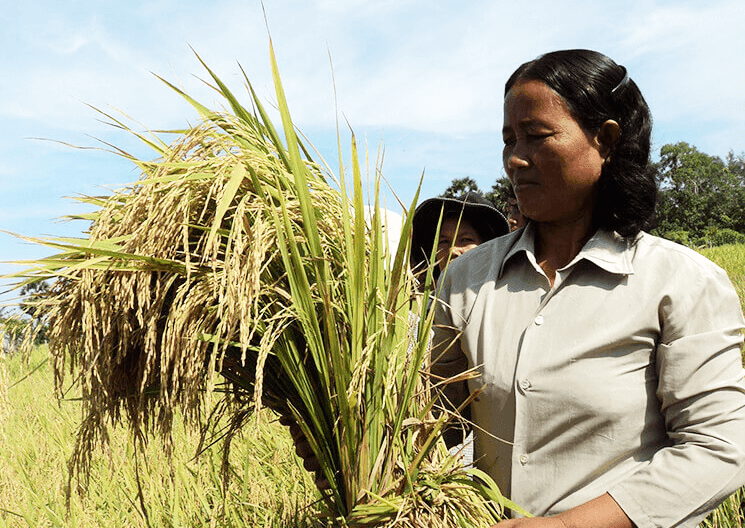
x: 304, y: 451
x: 296, y: 433
x: 321, y: 482
x: 286, y: 419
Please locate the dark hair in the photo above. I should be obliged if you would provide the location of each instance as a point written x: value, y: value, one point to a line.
x: 596, y: 89
x: 480, y: 212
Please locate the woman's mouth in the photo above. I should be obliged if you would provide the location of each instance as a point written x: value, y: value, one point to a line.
x: 524, y: 184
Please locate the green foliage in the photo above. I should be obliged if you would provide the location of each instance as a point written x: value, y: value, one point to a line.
x: 681, y: 236
x: 16, y: 325
x: 498, y: 194
x: 12, y: 330
x: 32, y: 293
x: 712, y: 237
x: 720, y: 237
x: 460, y: 186
x: 699, y: 193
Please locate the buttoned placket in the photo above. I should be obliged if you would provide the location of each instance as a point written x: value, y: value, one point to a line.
x: 522, y: 382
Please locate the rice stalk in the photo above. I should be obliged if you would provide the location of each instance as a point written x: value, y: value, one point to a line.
x: 238, y: 266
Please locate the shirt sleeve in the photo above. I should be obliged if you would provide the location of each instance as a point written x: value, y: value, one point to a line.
x: 448, y: 361
x: 701, y: 393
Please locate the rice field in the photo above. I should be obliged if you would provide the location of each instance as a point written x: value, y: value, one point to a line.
x: 268, y: 488
x: 731, y: 257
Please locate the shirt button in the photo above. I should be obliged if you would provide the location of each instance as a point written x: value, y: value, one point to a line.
x: 524, y: 384
x: 539, y: 320
x: 523, y: 459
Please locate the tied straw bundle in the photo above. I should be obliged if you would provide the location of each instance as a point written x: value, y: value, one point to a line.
x: 233, y: 258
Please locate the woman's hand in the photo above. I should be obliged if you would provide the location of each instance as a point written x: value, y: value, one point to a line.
x: 304, y: 451
x: 532, y: 522
x: 601, y: 512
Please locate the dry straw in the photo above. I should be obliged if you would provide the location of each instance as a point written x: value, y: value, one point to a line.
x: 237, y: 267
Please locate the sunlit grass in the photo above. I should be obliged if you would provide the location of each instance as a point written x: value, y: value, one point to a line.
x: 731, y: 257
x: 268, y: 487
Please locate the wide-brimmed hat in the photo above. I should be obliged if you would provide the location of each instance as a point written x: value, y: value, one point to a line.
x: 479, y: 212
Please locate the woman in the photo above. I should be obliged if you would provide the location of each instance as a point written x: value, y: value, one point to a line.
x: 467, y: 221
x: 613, y: 393
x: 464, y: 223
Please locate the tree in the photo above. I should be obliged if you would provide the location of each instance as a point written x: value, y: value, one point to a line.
x: 32, y: 293
x: 736, y: 166
x: 698, y: 193
x: 27, y: 321
x: 460, y: 186
x: 11, y: 332
x: 499, y: 194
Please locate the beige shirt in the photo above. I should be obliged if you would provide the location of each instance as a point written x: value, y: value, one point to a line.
x: 625, y: 377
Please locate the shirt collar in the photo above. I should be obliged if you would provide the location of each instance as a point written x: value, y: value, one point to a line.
x: 606, y: 249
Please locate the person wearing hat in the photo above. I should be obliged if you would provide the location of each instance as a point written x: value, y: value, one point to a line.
x: 467, y: 221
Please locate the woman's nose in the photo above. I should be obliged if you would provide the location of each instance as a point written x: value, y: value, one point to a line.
x: 457, y: 251
x: 515, y: 157
x: 515, y: 160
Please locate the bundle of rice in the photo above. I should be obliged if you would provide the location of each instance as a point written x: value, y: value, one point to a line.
x: 237, y: 263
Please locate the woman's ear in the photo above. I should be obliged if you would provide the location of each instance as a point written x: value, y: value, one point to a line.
x: 607, y: 136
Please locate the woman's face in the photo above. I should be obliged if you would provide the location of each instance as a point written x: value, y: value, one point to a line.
x: 455, y: 243
x: 552, y: 162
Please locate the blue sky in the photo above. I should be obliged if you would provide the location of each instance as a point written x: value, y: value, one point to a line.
x: 424, y: 78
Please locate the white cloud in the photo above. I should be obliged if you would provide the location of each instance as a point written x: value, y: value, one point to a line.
x: 427, y: 74
x: 689, y: 60
x: 361, y: 8
x: 72, y: 44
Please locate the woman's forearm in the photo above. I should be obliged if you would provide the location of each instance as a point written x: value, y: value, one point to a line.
x: 602, y: 512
